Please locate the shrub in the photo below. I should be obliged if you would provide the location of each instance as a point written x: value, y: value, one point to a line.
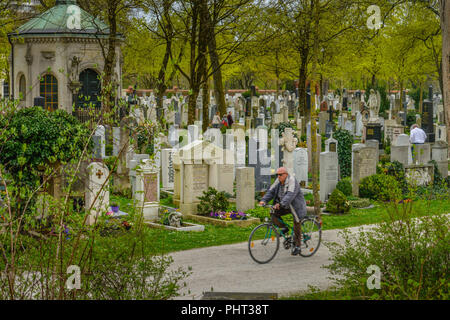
x: 338, y: 203
x: 412, y: 255
x: 359, y: 203
x: 212, y: 201
x: 379, y: 187
x: 345, y: 186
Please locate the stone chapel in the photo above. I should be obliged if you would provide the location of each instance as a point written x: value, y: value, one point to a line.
x: 58, y: 56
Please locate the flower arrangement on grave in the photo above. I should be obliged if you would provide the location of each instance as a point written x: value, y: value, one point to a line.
x: 229, y: 216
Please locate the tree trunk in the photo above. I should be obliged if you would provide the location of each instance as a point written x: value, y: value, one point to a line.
x: 108, y: 87
x: 421, y: 97
x: 162, y: 85
x: 303, y: 72
x: 219, y: 91
x: 445, y: 25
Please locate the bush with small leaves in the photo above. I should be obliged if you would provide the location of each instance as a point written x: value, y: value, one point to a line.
x: 345, y: 186
x: 380, y: 187
x: 338, y: 203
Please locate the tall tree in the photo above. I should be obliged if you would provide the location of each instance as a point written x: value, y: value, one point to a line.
x: 445, y: 25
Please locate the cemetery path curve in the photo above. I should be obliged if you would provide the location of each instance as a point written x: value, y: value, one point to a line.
x: 229, y: 268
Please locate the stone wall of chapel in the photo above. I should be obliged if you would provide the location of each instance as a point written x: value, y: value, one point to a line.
x: 54, y: 56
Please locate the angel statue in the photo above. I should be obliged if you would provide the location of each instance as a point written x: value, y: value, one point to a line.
x: 289, y: 143
x: 374, y: 104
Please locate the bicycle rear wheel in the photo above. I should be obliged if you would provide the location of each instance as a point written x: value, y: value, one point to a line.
x: 311, y: 237
x: 263, y: 243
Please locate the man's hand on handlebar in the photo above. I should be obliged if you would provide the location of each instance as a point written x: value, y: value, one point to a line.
x: 262, y: 203
x: 276, y: 207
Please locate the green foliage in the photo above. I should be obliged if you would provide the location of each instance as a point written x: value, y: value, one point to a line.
x: 396, y: 170
x: 338, y: 203
x: 410, y: 118
x: 112, y: 163
x: 212, y: 201
x: 109, y: 150
x: 345, y: 186
x: 414, y: 94
x: 412, y: 255
x: 380, y: 187
x: 359, y: 203
x: 37, y: 138
x: 259, y: 212
x: 345, y: 141
x: 248, y: 94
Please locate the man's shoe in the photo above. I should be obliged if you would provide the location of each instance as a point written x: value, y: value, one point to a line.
x: 296, y: 251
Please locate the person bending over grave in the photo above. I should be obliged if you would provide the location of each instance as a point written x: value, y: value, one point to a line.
x: 288, y: 199
x: 418, y: 136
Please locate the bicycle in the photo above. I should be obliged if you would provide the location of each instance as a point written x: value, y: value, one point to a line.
x: 264, y: 240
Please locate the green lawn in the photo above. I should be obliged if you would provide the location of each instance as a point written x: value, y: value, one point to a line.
x: 171, y: 241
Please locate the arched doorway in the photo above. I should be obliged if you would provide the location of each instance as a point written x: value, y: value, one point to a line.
x: 49, y: 90
x: 90, y: 89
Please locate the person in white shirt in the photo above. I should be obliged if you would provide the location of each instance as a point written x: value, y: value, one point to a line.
x: 417, y: 136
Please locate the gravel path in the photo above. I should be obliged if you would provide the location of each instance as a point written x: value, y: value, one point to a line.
x: 230, y: 268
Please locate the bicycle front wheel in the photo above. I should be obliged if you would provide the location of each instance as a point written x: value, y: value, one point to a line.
x: 263, y: 243
x: 311, y: 237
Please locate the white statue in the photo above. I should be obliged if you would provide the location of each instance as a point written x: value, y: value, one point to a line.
x: 374, y: 104
x: 289, y: 143
x: 175, y: 219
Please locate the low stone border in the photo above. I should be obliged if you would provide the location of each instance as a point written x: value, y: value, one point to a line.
x: 188, y: 227
x: 223, y: 223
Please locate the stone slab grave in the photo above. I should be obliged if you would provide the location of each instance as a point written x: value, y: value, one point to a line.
x: 97, y: 191
x: 245, y: 189
x: 259, y: 157
x: 401, y: 150
x: 167, y: 171
x: 419, y: 175
x: 439, y: 153
x: 181, y: 226
x: 364, y: 164
x: 421, y: 153
x: 329, y: 174
x: 147, y: 193
x: 196, y: 169
x: 301, y: 166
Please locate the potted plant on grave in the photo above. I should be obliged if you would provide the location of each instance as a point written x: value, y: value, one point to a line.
x: 115, y: 207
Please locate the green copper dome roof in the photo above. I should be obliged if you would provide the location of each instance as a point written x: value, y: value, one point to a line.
x: 64, y: 19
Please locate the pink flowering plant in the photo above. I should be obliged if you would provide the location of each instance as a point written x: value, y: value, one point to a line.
x: 229, y: 216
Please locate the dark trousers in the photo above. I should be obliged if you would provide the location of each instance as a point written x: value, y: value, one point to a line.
x: 277, y: 216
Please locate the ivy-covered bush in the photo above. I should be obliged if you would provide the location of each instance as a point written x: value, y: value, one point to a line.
x: 345, y: 186
x: 338, y: 203
x: 380, y: 187
x: 35, y: 138
x: 212, y: 201
x: 345, y: 141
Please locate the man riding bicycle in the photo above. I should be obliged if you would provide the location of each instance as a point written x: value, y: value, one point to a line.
x: 288, y: 199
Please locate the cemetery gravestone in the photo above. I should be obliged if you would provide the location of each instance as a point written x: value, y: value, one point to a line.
x: 97, y: 193
x: 167, y: 171
x: 147, y: 190
x: 301, y: 166
x: 329, y: 174
x: 245, y: 189
x: 364, y: 165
